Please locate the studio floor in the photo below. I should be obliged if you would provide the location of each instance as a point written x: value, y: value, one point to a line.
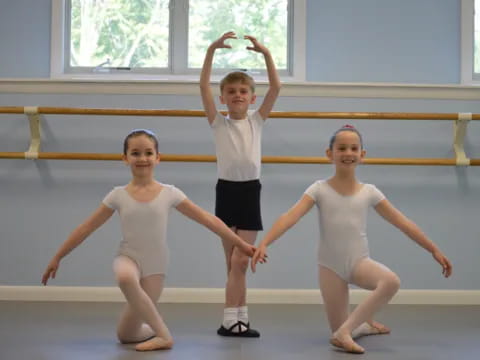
x: 86, y: 331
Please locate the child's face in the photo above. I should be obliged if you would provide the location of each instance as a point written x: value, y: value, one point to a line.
x: 237, y: 97
x: 141, y: 155
x: 347, y: 150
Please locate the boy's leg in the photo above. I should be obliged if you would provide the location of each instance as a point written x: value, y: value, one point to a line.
x: 141, y: 296
x: 370, y: 275
x: 237, y: 279
x: 235, y: 289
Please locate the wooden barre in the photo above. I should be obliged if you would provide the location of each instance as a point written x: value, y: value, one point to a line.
x: 265, y: 159
x: 273, y: 114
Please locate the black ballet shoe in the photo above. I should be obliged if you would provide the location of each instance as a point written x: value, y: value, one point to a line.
x: 249, y: 333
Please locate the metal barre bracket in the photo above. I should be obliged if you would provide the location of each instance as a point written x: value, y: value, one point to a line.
x: 459, y: 131
x: 34, y: 120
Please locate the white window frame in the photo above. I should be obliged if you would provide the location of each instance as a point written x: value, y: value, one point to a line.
x: 467, y: 47
x: 58, y: 43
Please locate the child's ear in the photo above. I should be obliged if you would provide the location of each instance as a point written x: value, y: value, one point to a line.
x: 362, y: 154
x: 124, y: 159
x: 254, y: 98
x: 222, y: 101
x: 328, y: 152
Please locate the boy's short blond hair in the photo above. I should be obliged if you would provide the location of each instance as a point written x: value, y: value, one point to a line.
x: 238, y: 77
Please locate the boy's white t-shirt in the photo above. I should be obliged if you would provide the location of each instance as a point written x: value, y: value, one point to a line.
x: 238, y: 146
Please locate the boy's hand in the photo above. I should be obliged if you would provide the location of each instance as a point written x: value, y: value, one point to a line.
x: 220, y: 42
x: 256, y: 45
x: 442, y: 260
x: 259, y: 256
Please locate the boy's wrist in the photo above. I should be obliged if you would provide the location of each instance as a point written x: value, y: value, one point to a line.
x: 212, y: 48
x: 266, y: 52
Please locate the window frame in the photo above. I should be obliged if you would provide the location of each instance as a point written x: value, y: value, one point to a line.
x: 468, y: 76
x: 60, y: 44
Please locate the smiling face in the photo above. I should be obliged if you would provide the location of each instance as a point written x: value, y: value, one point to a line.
x: 237, y: 96
x: 346, y: 151
x: 141, y: 155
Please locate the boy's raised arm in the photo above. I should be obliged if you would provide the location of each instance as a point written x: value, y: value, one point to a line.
x: 205, y: 88
x: 273, y: 79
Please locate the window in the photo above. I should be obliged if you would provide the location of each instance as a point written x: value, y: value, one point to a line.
x: 170, y: 37
x: 470, y: 23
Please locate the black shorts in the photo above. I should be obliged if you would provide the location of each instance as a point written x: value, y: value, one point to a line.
x: 238, y: 204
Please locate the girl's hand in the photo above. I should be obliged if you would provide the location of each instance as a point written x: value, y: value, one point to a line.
x: 259, y: 256
x: 256, y: 45
x: 51, y: 271
x: 220, y: 42
x: 248, y: 249
x: 442, y: 260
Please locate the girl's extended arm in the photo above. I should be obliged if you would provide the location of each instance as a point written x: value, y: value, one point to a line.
x: 409, y: 228
x: 213, y: 223
x: 96, y: 219
x: 281, y: 225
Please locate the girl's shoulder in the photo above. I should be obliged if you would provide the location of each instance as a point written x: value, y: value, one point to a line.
x: 173, y: 190
x: 118, y: 189
x: 371, y: 187
x: 374, y: 192
x: 167, y: 187
x: 320, y: 183
x: 316, y: 188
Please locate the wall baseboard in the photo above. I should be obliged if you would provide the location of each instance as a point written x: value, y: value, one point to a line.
x: 216, y: 295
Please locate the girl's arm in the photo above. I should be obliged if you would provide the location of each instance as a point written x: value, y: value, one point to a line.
x: 214, y: 224
x: 281, y: 225
x: 96, y: 219
x: 395, y: 217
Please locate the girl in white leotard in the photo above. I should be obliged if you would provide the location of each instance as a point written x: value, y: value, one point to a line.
x: 342, y: 203
x: 143, y: 206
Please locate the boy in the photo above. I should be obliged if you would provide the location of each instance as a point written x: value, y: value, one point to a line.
x: 238, y: 149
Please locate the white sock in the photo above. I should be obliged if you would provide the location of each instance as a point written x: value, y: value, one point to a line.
x: 243, y: 314
x: 230, y: 317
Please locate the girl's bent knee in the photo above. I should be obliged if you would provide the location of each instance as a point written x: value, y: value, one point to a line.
x: 125, y: 278
x: 392, y: 283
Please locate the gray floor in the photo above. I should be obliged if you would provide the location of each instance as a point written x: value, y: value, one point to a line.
x: 51, y: 331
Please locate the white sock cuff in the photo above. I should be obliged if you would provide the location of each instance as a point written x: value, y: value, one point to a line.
x: 243, y: 309
x: 230, y: 310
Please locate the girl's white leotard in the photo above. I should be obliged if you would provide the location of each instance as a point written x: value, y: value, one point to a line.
x: 144, y: 226
x: 343, y: 230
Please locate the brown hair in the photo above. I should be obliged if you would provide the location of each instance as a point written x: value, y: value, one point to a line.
x: 138, y: 132
x: 238, y: 77
x: 346, y: 127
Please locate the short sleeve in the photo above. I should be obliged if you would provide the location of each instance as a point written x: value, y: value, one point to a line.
x: 375, y: 195
x: 218, y: 118
x: 257, y: 118
x: 177, y: 196
x: 312, y: 191
x: 111, y: 200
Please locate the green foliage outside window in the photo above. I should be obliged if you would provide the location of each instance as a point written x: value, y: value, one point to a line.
x: 135, y: 33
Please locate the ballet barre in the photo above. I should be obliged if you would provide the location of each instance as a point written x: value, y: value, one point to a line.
x: 460, y: 122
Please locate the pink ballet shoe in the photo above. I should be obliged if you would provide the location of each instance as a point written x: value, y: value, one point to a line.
x: 350, y: 346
